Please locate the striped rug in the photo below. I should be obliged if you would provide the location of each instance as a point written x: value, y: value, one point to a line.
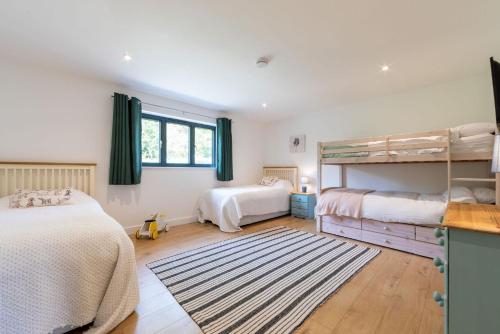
x: 265, y: 282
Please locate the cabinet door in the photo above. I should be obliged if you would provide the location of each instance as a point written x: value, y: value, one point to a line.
x: 474, y: 282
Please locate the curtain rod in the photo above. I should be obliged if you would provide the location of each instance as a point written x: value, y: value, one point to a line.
x: 174, y: 109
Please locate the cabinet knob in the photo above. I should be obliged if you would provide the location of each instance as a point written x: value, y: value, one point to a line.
x: 437, y: 261
x: 387, y: 241
x: 438, y: 298
x: 441, y: 242
x: 438, y: 233
x: 441, y: 268
x: 342, y: 231
x: 386, y: 228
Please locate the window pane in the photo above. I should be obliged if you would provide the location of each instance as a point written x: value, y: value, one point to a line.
x: 177, y: 143
x: 203, y: 139
x: 150, y: 141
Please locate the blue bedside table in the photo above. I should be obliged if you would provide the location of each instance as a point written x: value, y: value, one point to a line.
x: 303, y: 204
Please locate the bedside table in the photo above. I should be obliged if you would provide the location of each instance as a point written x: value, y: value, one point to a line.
x: 303, y: 204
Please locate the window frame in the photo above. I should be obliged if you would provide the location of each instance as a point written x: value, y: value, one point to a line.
x: 163, y: 141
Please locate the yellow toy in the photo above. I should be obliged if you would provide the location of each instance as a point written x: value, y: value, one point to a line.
x: 150, y: 228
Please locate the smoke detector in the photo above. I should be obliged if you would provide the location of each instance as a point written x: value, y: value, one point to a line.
x: 262, y: 62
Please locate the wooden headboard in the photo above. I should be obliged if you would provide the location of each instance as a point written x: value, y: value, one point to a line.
x: 46, y: 176
x: 285, y: 173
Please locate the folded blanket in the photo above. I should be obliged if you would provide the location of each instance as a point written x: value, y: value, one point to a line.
x: 341, y: 202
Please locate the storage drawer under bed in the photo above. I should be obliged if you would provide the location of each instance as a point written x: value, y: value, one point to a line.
x: 388, y: 241
x: 425, y: 234
x: 343, y: 221
x: 342, y: 231
x: 395, y: 229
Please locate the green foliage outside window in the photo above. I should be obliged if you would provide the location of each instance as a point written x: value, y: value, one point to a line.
x: 185, y: 143
x: 150, y: 141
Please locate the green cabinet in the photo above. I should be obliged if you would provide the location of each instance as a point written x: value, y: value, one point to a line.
x: 471, y: 270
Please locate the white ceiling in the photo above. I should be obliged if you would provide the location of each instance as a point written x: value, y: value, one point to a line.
x: 324, y: 53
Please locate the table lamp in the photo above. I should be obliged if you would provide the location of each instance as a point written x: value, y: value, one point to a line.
x: 304, y: 180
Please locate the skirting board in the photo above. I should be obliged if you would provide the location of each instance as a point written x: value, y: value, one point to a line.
x: 170, y: 222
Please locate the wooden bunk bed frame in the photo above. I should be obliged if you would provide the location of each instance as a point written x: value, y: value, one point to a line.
x: 416, y: 239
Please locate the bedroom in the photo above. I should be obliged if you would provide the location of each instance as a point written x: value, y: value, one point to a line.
x: 331, y: 71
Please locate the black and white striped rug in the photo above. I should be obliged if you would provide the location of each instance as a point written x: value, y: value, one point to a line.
x: 265, y: 282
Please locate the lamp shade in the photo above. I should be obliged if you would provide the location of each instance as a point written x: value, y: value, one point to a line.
x: 304, y: 180
x: 495, y: 163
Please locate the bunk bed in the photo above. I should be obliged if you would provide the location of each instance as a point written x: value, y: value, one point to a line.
x: 404, y: 221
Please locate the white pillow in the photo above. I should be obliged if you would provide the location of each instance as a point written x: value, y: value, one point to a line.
x: 473, y: 129
x: 268, y: 180
x: 484, y: 195
x: 284, y: 184
x: 36, y: 198
x: 460, y: 195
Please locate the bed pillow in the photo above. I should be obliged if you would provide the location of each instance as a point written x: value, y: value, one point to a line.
x: 484, y: 195
x: 268, y: 180
x: 460, y: 195
x: 284, y: 184
x: 473, y: 129
x: 37, y: 198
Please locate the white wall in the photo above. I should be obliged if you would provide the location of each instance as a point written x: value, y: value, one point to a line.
x: 48, y: 115
x: 430, y: 108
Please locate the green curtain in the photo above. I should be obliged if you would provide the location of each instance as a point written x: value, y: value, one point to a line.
x: 125, y: 164
x: 224, y: 150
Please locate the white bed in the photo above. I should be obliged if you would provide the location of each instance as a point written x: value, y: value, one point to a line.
x: 232, y: 207
x: 63, y: 266
x: 404, y: 207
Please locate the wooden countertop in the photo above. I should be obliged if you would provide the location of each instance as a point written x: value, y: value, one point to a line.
x: 474, y: 217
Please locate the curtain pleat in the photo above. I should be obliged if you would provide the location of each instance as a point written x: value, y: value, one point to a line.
x: 125, y: 162
x: 224, y: 150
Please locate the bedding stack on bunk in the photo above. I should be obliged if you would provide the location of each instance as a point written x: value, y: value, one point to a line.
x: 467, y: 142
x: 400, y: 220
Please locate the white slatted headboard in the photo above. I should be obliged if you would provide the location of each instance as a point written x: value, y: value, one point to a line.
x: 46, y: 176
x: 285, y: 173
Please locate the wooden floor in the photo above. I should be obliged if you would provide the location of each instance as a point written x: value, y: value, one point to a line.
x: 392, y: 294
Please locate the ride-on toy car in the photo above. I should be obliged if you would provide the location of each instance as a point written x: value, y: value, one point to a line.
x: 151, y: 227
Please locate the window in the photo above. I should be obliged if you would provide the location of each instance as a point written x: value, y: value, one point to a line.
x: 170, y: 142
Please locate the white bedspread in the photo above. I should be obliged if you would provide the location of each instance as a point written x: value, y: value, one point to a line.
x: 226, y: 206
x: 400, y: 207
x: 63, y: 267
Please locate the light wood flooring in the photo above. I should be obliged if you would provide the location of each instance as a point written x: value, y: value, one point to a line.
x: 392, y: 294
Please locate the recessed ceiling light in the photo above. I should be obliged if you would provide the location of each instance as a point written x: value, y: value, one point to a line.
x: 264, y: 105
x: 127, y: 57
x: 384, y: 68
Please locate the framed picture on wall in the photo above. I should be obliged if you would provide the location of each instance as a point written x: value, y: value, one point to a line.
x: 297, y: 144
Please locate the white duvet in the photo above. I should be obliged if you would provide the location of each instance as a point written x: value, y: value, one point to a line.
x: 64, y: 267
x: 399, y: 207
x: 226, y: 206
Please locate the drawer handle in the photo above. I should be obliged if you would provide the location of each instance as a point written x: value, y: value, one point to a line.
x: 387, y: 241
x: 437, y: 261
x: 441, y: 268
x: 441, y: 242
x: 438, y: 298
x: 386, y: 228
x: 438, y: 233
x: 342, y: 231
